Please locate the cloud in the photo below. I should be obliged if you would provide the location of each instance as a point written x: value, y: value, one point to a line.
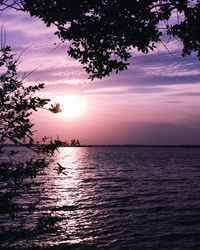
x: 188, y: 94
x: 173, y: 80
x: 173, y: 102
x: 123, y: 90
x: 162, y: 69
x: 57, y: 75
x: 22, y: 22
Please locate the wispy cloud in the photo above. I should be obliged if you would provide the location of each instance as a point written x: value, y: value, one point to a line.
x: 188, y: 94
x: 30, y: 27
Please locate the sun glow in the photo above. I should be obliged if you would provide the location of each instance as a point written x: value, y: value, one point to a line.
x: 72, y: 107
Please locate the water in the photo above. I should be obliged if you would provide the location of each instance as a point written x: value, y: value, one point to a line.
x: 120, y: 198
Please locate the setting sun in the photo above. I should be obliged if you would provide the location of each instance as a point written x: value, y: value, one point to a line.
x: 72, y: 106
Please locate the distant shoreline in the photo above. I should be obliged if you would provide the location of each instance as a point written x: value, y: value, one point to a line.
x: 119, y: 145
x: 141, y: 146
x: 138, y: 146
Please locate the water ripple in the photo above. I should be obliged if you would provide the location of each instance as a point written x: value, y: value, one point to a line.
x: 121, y: 198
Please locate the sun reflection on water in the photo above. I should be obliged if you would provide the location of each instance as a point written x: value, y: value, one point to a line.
x: 116, y: 198
x: 68, y: 192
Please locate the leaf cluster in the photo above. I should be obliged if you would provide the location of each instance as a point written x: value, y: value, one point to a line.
x: 17, y: 102
x: 103, y: 32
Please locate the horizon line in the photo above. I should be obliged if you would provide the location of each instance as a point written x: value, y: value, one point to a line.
x: 116, y: 145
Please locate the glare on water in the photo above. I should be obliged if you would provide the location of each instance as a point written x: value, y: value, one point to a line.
x: 120, y: 198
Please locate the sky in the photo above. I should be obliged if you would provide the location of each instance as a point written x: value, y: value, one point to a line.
x: 156, y: 101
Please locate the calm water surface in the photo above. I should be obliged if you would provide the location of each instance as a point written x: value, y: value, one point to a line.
x: 120, y: 198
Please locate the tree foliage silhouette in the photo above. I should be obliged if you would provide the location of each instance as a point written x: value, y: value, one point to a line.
x: 17, y: 174
x: 102, y: 33
x: 16, y: 102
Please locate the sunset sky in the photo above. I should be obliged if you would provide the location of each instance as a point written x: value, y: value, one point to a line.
x: 156, y: 101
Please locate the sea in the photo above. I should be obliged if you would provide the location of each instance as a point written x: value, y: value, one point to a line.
x: 120, y: 198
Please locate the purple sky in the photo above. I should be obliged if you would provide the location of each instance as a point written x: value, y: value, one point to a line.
x: 155, y: 102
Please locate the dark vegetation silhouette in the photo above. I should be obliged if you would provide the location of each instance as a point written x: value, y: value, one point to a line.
x: 75, y: 142
x: 102, y: 33
x: 17, y: 175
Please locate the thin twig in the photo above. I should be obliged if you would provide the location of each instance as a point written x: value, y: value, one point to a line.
x: 12, y: 6
x: 167, y: 49
x: 28, y: 74
x: 21, y: 144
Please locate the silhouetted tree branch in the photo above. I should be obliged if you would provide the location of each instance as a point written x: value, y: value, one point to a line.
x: 102, y: 33
x: 17, y: 103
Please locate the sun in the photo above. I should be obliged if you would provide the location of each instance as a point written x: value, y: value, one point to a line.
x: 72, y: 106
